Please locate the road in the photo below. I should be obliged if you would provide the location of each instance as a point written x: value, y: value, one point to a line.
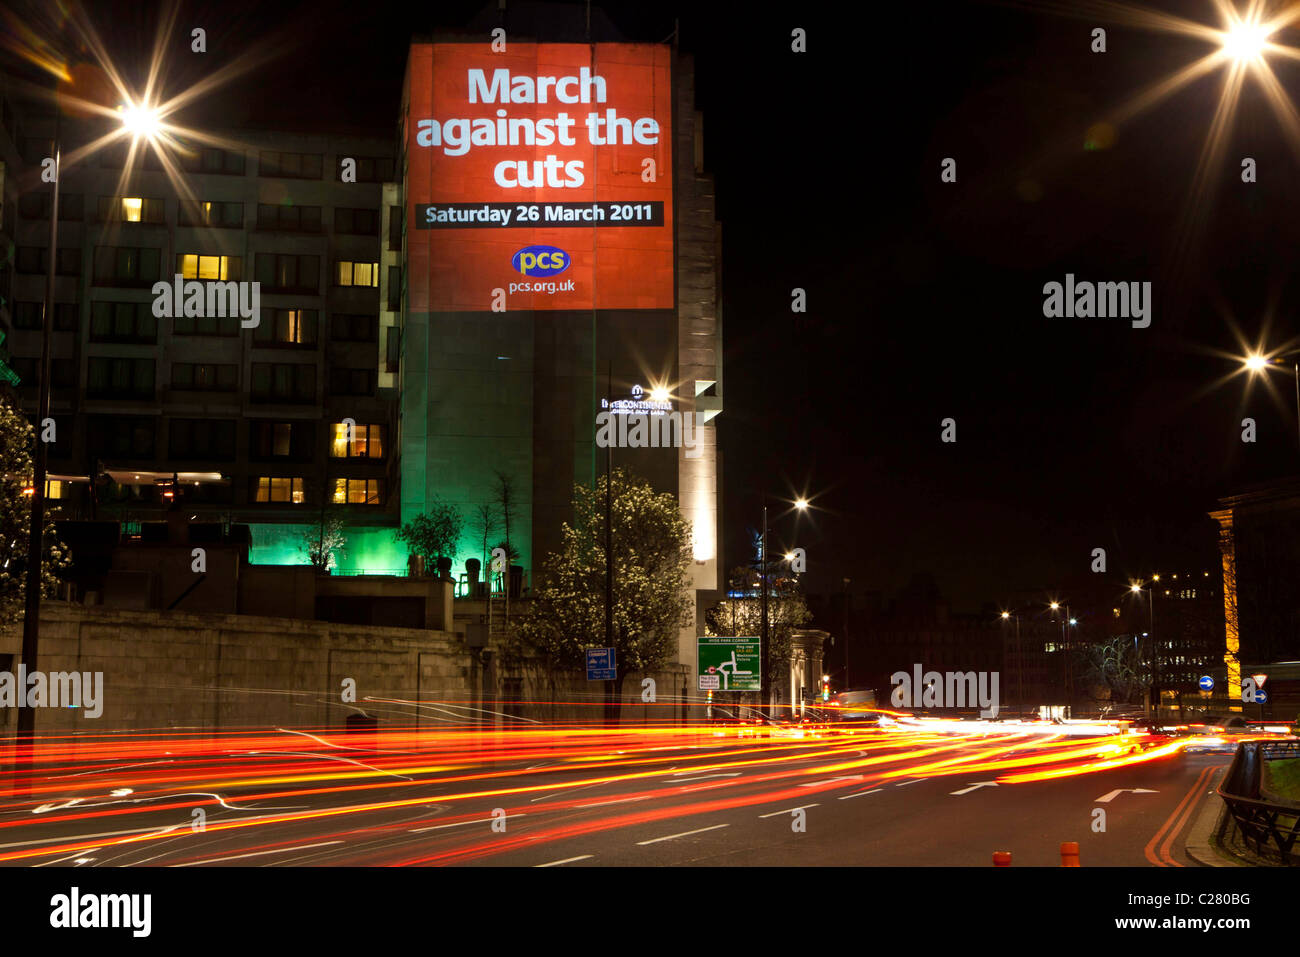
x: 935, y: 794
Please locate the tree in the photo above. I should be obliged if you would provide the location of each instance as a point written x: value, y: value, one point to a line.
x: 506, y: 499
x: 17, y: 445
x: 1115, y: 670
x: 651, y: 550
x: 433, y: 533
x: 323, y: 543
x: 743, y: 617
x: 485, y: 523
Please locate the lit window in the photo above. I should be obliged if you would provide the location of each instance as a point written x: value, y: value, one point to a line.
x: 367, y: 442
x: 131, y: 208
x: 358, y: 491
x: 270, y: 489
x: 55, y: 489
x: 205, y: 267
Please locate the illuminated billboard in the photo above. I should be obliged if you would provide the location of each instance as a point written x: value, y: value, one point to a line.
x: 539, y: 177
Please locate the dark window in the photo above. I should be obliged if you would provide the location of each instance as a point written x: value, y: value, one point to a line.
x: 119, y: 436
x: 358, y: 222
x: 216, y: 161
x: 127, y: 265
x: 287, y: 273
x: 287, y: 218
x: 283, y: 382
x: 37, y: 206
x: 352, y: 381
x: 287, y: 327
x: 216, y: 215
x: 36, y: 259
x: 35, y: 150
x: 63, y: 372
x: 393, y: 349
x: 294, y: 441
x: 396, y: 215
x: 28, y: 315
x: 119, y: 378
x: 394, y: 288
x: 370, y: 169
x: 206, y: 325
x: 205, y: 376
x: 291, y: 165
x: 123, y: 322
x: 348, y: 327
x: 212, y: 439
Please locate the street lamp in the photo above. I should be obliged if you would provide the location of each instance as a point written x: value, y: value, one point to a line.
x: 1257, y: 362
x: 1136, y: 589
x: 763, y: 684
x: 139, y: 121
x: 1020, y: 665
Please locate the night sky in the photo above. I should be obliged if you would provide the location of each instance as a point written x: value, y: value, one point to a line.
x: 925, y: 299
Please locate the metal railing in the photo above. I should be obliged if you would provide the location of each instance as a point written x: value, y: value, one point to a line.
x: 1269, y: 825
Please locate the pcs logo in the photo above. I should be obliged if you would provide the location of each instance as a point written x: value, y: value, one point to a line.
x: 540, y: 261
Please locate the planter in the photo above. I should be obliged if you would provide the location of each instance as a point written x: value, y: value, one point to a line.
x: 444, y: 567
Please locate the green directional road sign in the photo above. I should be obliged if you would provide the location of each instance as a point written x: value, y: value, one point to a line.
x: 729, y: 664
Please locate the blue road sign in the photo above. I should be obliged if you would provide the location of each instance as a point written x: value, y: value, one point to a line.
x: 1206, y: 683
x: 600, y: 664
x: 1261, y: 696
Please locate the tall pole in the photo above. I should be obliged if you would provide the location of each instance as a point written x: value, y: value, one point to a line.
x: 609, y: 520
x: 1020, y: 667
x: 1155, y: 651
x: 764, y: 689
x: 32, y: 605
x: 1296, y: 369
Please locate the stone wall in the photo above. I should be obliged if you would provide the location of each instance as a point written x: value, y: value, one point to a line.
x: 175, y: 669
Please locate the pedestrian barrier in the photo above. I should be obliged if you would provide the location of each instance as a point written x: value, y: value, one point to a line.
x: 1001, y: 858
x: 1069, y: 853
x: 1271, y: 825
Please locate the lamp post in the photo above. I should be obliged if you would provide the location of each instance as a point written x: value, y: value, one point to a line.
x: 1256, y: 363
x: 1153, y: 697
x: 765, y: 688
x: 1020, y: 665
x: 137, y: 120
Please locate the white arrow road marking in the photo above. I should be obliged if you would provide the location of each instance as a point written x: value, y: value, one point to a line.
x: 1111, y: 795
x: 790, y: 810
x: 669, y: 837
x: 813, y: 784
x: 859, y: 794
x: 567, y: 860
x: 976, y: 787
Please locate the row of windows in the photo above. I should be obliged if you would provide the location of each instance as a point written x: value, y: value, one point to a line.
x: 132, y: 378
x: 210, y: 213
x: 142, y: 266
x: 346, y: 491
x: 135, y: 322
x: 214, y: 439
x: 225, y: 162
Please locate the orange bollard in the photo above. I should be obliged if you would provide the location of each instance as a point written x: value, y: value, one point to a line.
x: 1001, y: 858
x: 1069, y: 853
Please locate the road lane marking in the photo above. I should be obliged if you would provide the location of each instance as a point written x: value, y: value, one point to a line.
x: 236, y: 857
x: 976, y: 787
x: 567, y: 860
x: 644, y: 797
x: 1111, y: 795
x: 555, y: 794
x: 1174, y: 823
x: 859, y: 794
x: 903, y: 784
x: 707, y: 777
x: 813, y: 784
x: 790, y: 810
x: 669, y: 837
x: 439, y: 827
